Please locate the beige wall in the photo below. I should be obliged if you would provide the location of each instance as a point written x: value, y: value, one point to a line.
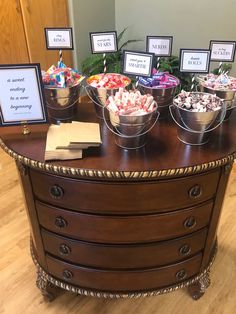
x: 89, y: 16
x: 192, y: 23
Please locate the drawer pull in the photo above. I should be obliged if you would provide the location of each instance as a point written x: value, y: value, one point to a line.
x: 195, y: 191
x: 185, y: 249
x: 56, y: 192
x: 190, y: 222
x: 67, y: 274
x: 64, y: 249
x: 181, y: 274
x: 61, y: 222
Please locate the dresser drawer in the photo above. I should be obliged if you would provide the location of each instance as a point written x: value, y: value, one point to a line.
x: 123, y: 280
x: 124, y: 256
x: 124, y: 229
x: 108, y: 197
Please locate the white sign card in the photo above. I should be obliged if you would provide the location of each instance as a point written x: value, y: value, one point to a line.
x: 137, y: 63
x: 194, y: 60
x: 161, y: 46
x: 21, y: 97
x: 59, y: 38
x: 104, y: 42
x: 222, y: 50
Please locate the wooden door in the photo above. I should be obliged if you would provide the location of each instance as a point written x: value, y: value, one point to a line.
x: 13, y: 47
x: 40, y: 14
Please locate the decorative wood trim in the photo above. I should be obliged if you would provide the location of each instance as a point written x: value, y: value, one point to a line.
x: 45, y: 277
x: 121, y: 175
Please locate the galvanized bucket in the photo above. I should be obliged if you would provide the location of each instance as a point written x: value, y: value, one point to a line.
x: 62, y: 102
x: 195, y: 128
x: 131, y: 131
x: 228, y: 96
x: 162, y: 96
x: 99, y: 96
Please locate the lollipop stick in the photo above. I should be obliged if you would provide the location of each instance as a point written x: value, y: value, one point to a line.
x: 104, y: 63
x: 60, y: 55
x: 158, y: 62
x: 220, y: 67
x: 193, y: 82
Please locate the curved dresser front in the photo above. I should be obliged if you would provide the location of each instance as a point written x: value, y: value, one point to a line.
x: 125, y: 223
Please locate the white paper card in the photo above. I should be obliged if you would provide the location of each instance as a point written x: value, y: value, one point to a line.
x: 222, y: 51
x: 59, y: 38
x: 103, y: 42
x: 139, y: 64
x: 194, y: 61
x: 160, y: 46
x: 20, y: 96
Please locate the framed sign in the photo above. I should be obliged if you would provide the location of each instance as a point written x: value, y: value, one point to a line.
x: 104, y: 42
x: 222, y: 50
x: 137, y: 63
x: 194, y: 60
x: 161, y: 46
x: 59, y: 38
x: 21, y: 97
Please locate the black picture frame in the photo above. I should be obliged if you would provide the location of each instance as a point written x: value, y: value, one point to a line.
x: 137, y: 53
x: 206, y: 51
x: 212, y: 42
x: 41, y: 97
x: 58, y: 47
x: 92, y: 34
x: 170, y: 38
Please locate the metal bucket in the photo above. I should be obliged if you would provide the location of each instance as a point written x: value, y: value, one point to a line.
x: 162, y: 96
x: 62, y: 102
x: 131, y: 131
x: 195, y: 128
x: 99, y: 96
x: 228, y: 96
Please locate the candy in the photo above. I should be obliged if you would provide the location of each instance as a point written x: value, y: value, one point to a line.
x: 61, y: 76
x: 160, y: 80
x: 219, y: 82
x: 131, y: 103
x: 197, y: 102
x: 108, y: 81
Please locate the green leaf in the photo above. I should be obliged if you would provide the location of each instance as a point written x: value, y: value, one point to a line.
x: 129, y: 42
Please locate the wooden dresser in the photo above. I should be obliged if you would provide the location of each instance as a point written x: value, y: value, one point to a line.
x: 123, y: 223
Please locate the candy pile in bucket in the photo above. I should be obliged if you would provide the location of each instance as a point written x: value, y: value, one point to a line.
x: 61, y: 76
x: 162, y: 86
x: 223, y: 86
x: 196, y: 114
x: 131, y: 115
x: 159, y: 80
x: 101, y: 86
x: 61, y: 87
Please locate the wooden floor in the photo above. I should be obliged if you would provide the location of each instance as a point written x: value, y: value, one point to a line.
x: 19, y: 295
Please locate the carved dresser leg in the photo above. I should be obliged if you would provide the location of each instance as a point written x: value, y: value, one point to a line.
x: 198, y: 288
x: 48, y: 290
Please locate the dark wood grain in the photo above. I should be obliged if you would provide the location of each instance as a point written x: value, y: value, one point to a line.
x: 110, y: 280
x: 124, y: 256
x: 118, y: 198
x: 124, y: 229
x: 163, y: 149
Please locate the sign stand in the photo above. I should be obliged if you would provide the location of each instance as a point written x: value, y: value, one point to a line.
x: 25, y: 129
x: 222, y: 51
x: 103, y: 42
x: 194, y: 61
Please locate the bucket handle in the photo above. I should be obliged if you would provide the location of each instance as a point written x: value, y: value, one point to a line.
x: 62, y: 106
x: 90, y: 97
x: 193, y: 131
x: 129, y: 136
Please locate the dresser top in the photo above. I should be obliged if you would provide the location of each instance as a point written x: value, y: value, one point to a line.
x: 163, y: 156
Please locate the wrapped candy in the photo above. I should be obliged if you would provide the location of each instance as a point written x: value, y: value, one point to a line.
x: 131, y: 103
x: 159, y: 80
x: 61, y: 76
x: 219, y: 82
x: 197, y: 102
x: 108, y: 81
